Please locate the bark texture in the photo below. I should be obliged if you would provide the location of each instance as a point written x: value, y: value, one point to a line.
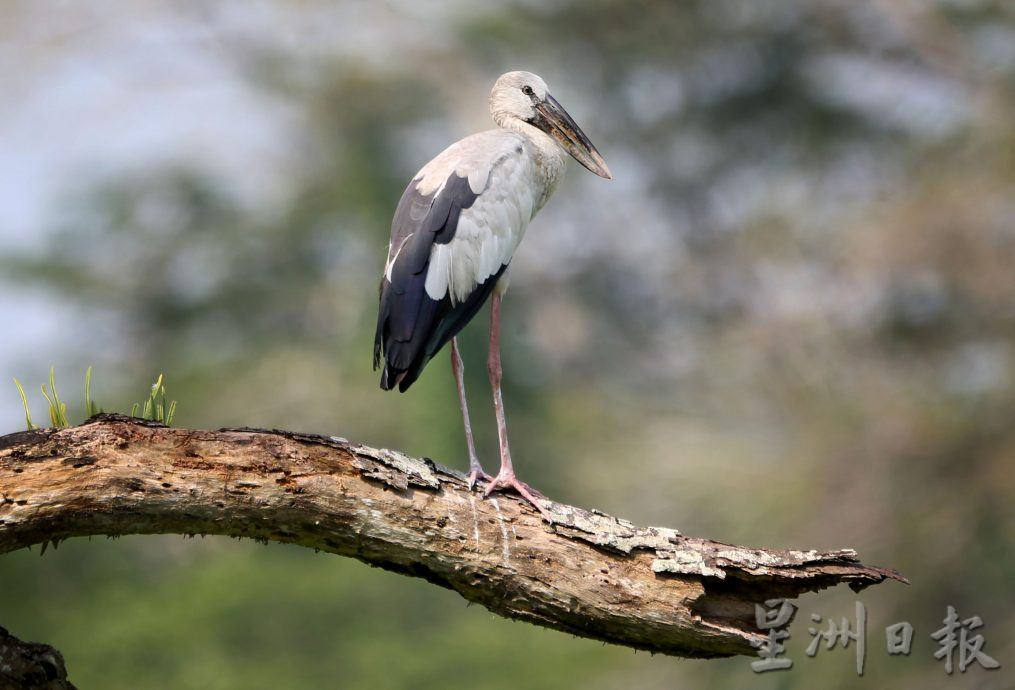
x: 589, y: 574
x: 30, y: 665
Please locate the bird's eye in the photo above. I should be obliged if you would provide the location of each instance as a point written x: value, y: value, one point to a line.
x: 527, y: 90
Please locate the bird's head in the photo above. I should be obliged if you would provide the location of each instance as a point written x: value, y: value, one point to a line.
x: 523, y: 96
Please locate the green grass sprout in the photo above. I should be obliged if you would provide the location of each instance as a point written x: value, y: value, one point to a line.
x: 57, y: 409
x: 155, y: 408
x: 24, y: 403
x: 91, y: 409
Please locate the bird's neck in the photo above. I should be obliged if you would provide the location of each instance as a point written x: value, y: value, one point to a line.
x: 550, y: 158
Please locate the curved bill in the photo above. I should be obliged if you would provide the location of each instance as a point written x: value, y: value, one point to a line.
x: 555, y: 121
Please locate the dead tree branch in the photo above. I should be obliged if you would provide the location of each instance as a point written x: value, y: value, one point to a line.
x: 30, y: 665
x: 590, y: 574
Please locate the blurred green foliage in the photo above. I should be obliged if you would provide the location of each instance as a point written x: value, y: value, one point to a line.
x: 786, y: 322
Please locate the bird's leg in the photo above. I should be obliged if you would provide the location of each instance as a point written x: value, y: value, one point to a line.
x: 506, y: 476
x: 457, y: 368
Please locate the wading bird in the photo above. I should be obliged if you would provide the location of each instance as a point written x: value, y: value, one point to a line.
x: 455, y: 230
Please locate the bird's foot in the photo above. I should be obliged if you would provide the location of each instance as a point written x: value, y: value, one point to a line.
x: 476, y: 473
x: 509, y: 481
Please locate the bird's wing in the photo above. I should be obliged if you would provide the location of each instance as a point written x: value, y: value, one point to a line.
x: 453, y: 235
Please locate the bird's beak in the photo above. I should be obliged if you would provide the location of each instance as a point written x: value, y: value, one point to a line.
x: 554, y: 120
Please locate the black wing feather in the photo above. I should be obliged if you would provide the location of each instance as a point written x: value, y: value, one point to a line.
x: 411, y: 326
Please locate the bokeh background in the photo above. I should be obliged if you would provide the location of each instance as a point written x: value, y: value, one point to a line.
x: 788, y: 321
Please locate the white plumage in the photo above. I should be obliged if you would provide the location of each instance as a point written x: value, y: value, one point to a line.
x: 502, y: 170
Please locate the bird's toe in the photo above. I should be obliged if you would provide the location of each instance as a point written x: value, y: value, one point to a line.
x: 476, y: 474
x: 502, y: 482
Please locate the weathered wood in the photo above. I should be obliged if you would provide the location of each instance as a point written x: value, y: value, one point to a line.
x: 589, y: 574
x: 30, y: 665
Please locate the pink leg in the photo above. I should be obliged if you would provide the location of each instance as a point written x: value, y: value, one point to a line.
x: 505, y: 478
x: 475, y: 469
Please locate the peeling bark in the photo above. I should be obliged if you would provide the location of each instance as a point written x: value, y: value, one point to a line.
x: 589, y: 574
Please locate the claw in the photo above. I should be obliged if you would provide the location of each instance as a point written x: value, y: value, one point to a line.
x: 476, y: 474
x: 509, y: 481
